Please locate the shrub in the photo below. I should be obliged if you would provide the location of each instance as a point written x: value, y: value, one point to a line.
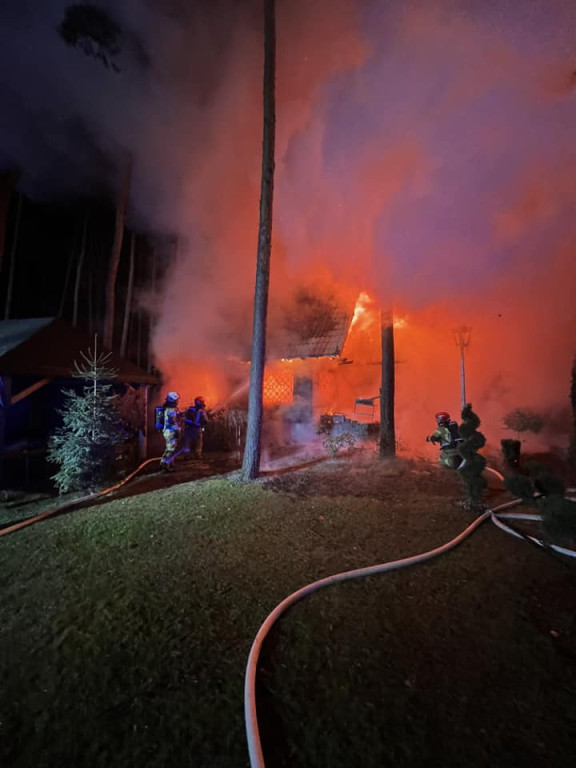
x: 511, y: 451
x: 547, y: 493
x: 473, y: 464
x: 336, y: 443
x: 524, y: 420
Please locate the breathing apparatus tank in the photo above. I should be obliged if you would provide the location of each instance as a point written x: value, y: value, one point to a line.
x: 159, y: 418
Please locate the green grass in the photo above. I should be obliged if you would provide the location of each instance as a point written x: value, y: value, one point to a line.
x: 125, y: 630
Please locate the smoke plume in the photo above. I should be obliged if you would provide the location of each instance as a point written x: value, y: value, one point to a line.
x: 425, y: 153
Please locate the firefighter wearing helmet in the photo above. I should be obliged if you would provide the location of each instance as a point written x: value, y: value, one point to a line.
x: 170, y: 429
x: 448, y: 437
x: 195, y: 423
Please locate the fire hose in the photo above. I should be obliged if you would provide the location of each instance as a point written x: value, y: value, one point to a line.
x: 74, y: 502
x: 250, y: 714
x: 88, y: 497
x: 251, y: 718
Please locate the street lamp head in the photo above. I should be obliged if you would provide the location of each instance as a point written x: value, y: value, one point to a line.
x: 462, y: 336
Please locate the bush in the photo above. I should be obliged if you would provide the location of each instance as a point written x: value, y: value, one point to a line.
x: 473, y: 464
x: 524, y: 420
x: 511, y: 451
x: 547, y: 493
x: 336, y: 443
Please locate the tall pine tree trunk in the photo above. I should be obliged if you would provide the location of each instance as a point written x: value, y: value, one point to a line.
x: 68, y: 274
x: 146, y: 321
x: 139, y: 338
x: 12, y: 263
x: 81, y: 257
x: 128, y: 304
x: 8, y: 181
x: 121, y: 209
x: 252, y: 451
x: 387, y: 391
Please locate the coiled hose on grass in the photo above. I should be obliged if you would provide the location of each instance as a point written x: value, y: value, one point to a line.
x: 71, y: 504
x: 250, y: 713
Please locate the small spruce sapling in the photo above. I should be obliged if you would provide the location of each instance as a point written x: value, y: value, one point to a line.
x: 473, y: 464
x: 83, y: 446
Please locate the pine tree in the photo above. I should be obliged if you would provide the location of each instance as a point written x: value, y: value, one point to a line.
x: 253, y: 445
x: 470, y: 471
x: 83, y: 446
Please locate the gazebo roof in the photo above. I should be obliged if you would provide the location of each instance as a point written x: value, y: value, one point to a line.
x: 47, y: 347
x: 323, y: 336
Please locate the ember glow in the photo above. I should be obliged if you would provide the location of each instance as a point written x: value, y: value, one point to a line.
x: 362, y: 308
x: 279, y: 385
x: 423, y: 161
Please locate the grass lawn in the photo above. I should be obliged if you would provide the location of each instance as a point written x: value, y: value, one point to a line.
x: 125, y: 629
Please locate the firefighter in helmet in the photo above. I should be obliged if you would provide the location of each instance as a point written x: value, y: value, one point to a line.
x: 195, y: 421
x: 448, y: 437
x: 170, y: 429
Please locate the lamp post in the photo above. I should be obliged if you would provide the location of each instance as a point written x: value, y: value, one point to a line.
x: 462, y: 338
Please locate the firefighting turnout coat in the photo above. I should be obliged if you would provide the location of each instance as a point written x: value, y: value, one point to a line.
x: 448, y: 436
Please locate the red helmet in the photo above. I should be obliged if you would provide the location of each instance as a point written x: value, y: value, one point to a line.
x: 199, y: 402
x: 442, y: 417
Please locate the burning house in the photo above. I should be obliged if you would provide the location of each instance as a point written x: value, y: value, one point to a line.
x: 329, y: 359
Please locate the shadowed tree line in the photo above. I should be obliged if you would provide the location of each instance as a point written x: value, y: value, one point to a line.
x: 55, y: 261
x: 75, y: 260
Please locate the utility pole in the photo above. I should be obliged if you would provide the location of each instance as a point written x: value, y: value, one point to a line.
x: 462, y: 338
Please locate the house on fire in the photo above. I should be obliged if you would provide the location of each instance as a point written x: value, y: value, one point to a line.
x: 330, y: 358
x: 37, y: 358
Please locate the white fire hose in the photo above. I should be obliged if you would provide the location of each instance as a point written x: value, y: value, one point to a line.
x: 250, y: 713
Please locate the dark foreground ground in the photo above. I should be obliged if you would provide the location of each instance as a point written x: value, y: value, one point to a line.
x: 125, y: 626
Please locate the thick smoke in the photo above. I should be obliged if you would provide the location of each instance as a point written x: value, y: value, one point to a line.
x: 425, y: 153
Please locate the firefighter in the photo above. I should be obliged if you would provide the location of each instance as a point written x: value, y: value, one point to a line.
x: 170, y: 429
x: 195, y: 421
x: 448, y: 437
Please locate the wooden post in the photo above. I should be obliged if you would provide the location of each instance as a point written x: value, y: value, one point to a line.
x: 387, y: 391
x: 29, y: 390
x: 143, y: 434
x: 5, y: 391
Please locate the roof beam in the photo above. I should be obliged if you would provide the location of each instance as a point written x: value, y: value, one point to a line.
x: 28, y: 391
